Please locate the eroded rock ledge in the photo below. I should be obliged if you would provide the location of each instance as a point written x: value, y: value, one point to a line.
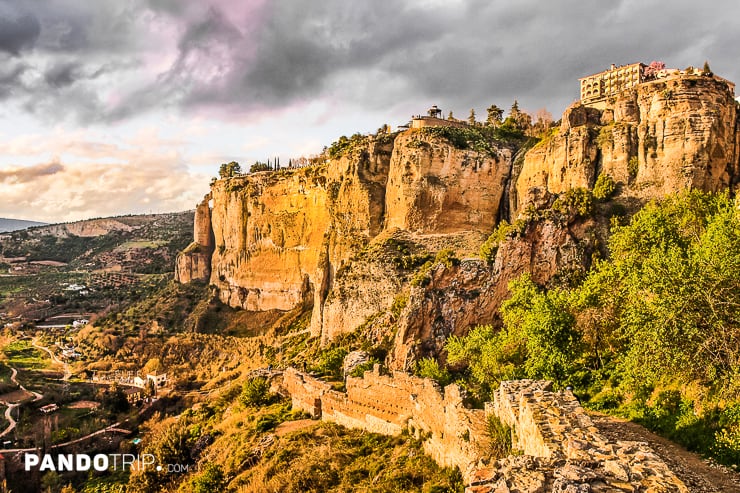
x: 559, y: 449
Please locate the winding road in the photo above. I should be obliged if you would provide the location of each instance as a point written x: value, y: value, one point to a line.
x: 114, y: 428
x: 36, y: 396
x: 9, y: 411
x: 67, y: 371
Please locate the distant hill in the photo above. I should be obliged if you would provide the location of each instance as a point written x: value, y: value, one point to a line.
x: 17, y: 224
x: 145, y: 244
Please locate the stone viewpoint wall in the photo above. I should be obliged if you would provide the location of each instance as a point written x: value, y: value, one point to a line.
x: 558, y: 447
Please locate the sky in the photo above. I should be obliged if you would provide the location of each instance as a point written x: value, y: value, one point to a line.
x: 129, y: 106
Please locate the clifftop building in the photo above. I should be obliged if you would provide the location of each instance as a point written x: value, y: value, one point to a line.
x: 596, y: 88
x: 433, y: 118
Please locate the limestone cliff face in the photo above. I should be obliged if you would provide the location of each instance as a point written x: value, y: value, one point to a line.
x: 657, y: 138
x: 304, y: 238
x: 436, y: 188
x: 454, y: 300
x: 269, y: 233
x: 280, y: 237
x: 291, y: 238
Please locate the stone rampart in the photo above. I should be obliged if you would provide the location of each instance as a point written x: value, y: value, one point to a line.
x: 305, y: 391
x: 559, y: 448
x: 453, y: 435
x: 562, y: 449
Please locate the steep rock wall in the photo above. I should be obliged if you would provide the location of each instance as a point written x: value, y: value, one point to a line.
x: 435, y: 188
x: 285, y: 238
x: 656, y: 138
x: 194, y: 263
x: 458, y: 297
x: 280, y: 237
x: 269, y: 233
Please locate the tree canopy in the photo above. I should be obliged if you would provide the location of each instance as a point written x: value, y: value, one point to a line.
x: 227, y: 170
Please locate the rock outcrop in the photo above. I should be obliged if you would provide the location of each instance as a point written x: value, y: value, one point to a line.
x: 435, y: 188
x: 654, y: 139
x: 285, y: 239
x: 194, y: 263
x: 301, y: 237
x: 282, y: 236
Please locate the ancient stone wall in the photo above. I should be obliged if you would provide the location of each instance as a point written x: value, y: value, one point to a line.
x: 305, y: 391
x: 453, y: 435
x: 563, y: 451
x: 558, y: 447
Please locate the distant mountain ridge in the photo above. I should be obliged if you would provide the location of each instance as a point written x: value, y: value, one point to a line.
x: 7, y: 225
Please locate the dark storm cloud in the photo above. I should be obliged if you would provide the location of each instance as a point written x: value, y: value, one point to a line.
x: 30, y: 173
x: 11, y: 74
x: 62, y: 75
x: 19, y: 28
x: 460, y: 54
x: 369, y: 54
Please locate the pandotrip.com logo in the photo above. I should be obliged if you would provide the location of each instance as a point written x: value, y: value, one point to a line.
x: 100, y: 462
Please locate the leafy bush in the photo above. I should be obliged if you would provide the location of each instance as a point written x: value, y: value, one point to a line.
x: 429, y: 368
x: 480, y: 139
x: 399, y: 303
x: 604, y: 187
x: 503, y: 231
x: 345, y: 145
x: 359, y: 370
x: 632, y: 167
x: 330, y: 362
x: 209, y: 479
x: 576, y: 201
x: 256, y: 392
x: 266, y: 423
x: 445, y: 257
x: 605, y: 138
x: 605, y: 400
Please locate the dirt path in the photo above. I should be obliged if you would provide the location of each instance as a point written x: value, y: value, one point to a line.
x: 67, y: 371
x: 289, y: 426
x: 698, y: 475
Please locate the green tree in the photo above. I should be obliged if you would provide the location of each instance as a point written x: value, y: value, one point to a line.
x: 538, y: 340
x: 227, y: 170
x: 259, y: 166
x: 495, y: 116
x: 604, y: 187
x: 255, y: 392
x: 471, y: 117
x: 429, y: 368
x: 672, y: 287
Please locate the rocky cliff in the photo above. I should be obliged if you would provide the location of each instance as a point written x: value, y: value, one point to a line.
x: 435, y: 188
x: 295, y: 237
x: 346, y: 237
x: 194, y: 263
x: 656, y: 138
